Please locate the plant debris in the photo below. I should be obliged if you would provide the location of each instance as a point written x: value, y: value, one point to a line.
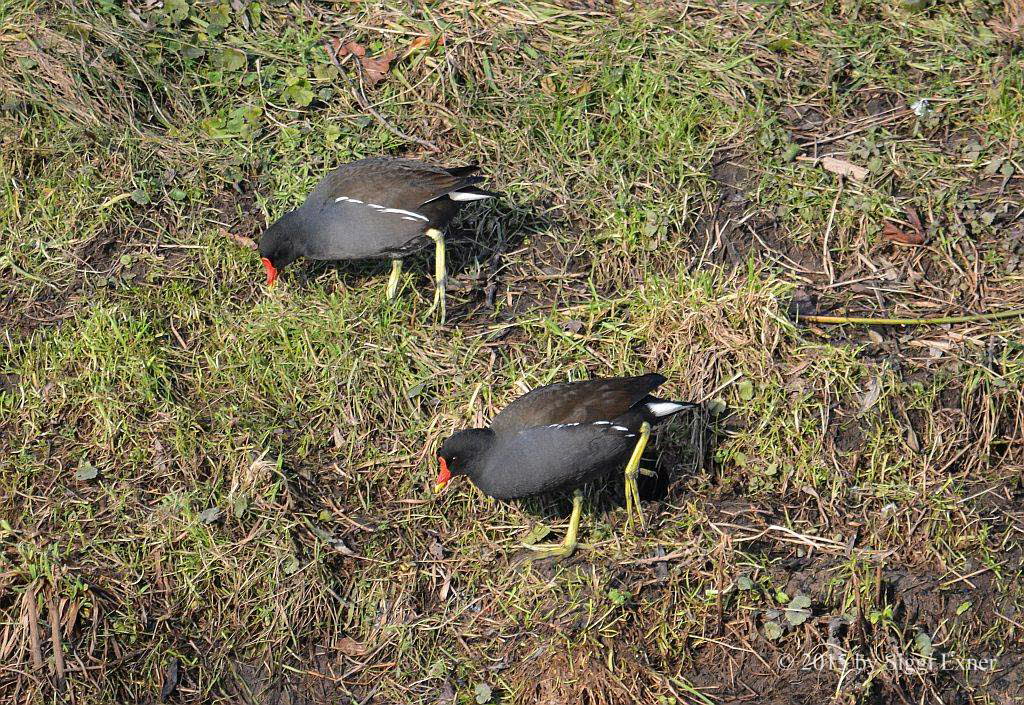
x: 240, y: 240
x: 350, y: 647
x: 375, y: 68
x: 894, y: 233
x: 839, y: 166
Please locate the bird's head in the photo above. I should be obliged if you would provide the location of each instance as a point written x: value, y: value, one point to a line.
x: 460, y: 454
x: 281, y: 244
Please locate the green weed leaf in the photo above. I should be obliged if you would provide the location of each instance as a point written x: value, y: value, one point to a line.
x: 482, y: 693
x: 797, y: 612
x: 173, y: 12
x: 745, y: 390
x: 86, y: 471
x: 298, y: 93
x: 923, y: 644
x: 208, y: 516
x: 230, y: 59
x: 783, y: 45
x: 618, y: 597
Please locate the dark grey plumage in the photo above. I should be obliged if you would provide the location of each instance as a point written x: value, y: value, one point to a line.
x: 370, y: 209
x: 559, y: 436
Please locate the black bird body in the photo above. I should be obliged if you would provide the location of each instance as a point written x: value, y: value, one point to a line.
x: 558, y: 437
x: 376, y: 208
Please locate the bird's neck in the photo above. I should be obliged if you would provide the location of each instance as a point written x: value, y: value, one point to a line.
x: 298, y: 230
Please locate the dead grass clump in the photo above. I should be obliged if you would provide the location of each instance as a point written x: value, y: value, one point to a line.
x: 72, y: 68
x: 580, y: 677
x: 1010, y: 27
x: 713, y: 329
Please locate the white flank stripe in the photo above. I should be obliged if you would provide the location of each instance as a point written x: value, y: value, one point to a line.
x: 630, y: 435
x: 405, y: 217
x: 461, y: 196
x: 599, y: 423
x: 620, y: 428
x: 664, y: 408
x: 401, y: 212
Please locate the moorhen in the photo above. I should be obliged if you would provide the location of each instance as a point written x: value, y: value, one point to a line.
x: 558, y: 437
x: 379, y: 208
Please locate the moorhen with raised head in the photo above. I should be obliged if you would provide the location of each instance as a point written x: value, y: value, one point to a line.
x: 379, y: 208
x: 562, y: 436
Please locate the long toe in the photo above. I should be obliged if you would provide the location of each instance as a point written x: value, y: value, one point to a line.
x: 557, y: 551
x: 439, y: 304
x: 637, y: 507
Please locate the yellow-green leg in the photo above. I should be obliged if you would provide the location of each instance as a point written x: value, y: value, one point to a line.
x: 568, y: 545
x: 393, y: 281
x: 440, y: 274
x: 632, y: 470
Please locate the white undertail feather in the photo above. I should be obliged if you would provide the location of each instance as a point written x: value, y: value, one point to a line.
x: 461, y: 196
x: 664, y: 408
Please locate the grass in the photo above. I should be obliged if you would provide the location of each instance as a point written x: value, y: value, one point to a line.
x: 217, y: 493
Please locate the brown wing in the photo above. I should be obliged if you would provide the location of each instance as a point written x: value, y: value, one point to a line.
x: 576, y: 402
x: 393, y: 183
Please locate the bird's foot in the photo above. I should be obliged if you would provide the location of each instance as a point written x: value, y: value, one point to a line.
x: 557, y: 550
x: 569, y: 543
x: 439, y: 300
x: 633, y: 507
x: 632, y: 470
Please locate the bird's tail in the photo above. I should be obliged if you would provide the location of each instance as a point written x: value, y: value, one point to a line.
x: 663, y: 408
x: 470, y: 193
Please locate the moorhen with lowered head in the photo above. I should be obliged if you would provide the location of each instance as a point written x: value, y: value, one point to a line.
x: 380, y: 208
x: 559, y: 437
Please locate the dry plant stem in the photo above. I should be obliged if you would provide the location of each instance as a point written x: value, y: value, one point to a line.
x: 58, y: 649
x: 33, y: 628
x: 826, y: 255
x: 864, y: 320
